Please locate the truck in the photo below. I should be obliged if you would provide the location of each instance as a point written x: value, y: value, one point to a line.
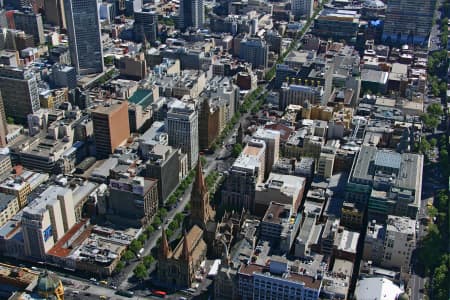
x: 214, y: 269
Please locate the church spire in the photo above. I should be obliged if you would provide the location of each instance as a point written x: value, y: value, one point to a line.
x: 164, y: 248
x: 199, y: 183
x: 185, y: 255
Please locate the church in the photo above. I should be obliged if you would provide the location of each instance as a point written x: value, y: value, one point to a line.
x: 176, y: 269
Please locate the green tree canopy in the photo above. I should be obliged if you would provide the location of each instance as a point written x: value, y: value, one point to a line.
x: 135, y: 246
x: 140, y: 271
x: 148, y: 261
x: 435, y: 109
x: 237, y: 149
x: 128, y: 255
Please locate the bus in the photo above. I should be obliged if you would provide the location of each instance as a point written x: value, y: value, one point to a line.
x: 160, y: 294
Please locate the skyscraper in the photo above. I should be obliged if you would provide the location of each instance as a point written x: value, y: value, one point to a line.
x: 20, y: 93
x: 30, y: 23
x: 83, y: 28
x: 111, y: 127
x: 254, y: 51
x: 408, y: 21
x: 54, y: 13
x: 182, y: 127
x: 191, y: 14
x: 302, y: 8
x: 145, y: 24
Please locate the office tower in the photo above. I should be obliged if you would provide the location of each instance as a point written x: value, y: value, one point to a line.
x: 20, y: 93
x: 3, y: 125
x: 163, y: 162
x: 106, y: 11
x: 182, y: 127
x: 302, y: 8
x: 64, y: 76
x: 299, y: 94
x: 46, y: 219
x: 131, y: 6
x: 32, y: 24
x: 408, y: 21
x: 54, y: 13
x: 191, y: 14
x: 272, y: 140
x: 246, y: 173
x: 133, y: 201
x: 83, y: 29
x: 254, y: 51
x: 111, y: 127
x: 145, y: 26
x: 387, y: 182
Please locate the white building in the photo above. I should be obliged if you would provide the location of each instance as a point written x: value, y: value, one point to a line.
x: 399, y: 242
x: 46, y: 219
x: 376, y: 288
x: 272, y: 140
x: 182, y: 127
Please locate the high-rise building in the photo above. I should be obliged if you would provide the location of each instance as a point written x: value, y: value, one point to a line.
x: 408, y: 21
x: 83, y: 28
x: 111, y: 127
x: 391, y: 244
x: 64, y: 76
x: 387, y: 182
x: 272, y: 140
x: 133, y: 201
x: 3, y: 124
x: 191, y: 14
x: 54, y: 13
x: 145, y: 26
x: 163, y: 163
x: 20, y: 93
x: 32, y: 24
x: 245, y: 174
x: 46, y: 219
x: 182, y: 127
x: 254, y: 51
x: 297, y: 94
x: 302, y: 8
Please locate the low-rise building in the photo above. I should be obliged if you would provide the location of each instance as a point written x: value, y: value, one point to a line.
x: 256, y: 281
x: 284, y: 189
x: 9, y: 206
x: 280, y: 226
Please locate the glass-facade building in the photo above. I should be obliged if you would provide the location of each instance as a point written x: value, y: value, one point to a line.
x: 83, y: 28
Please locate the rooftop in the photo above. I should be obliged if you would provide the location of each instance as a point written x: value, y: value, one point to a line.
x: 401, y: 224
x: 308, y: 281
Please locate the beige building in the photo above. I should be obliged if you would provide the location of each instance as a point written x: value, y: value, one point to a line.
x: 46, y: 219
x: 399, y: 242
x: 18, y: 187
x: 280, y: 188
x: 9, y: 206
x: 133, y: 67
x: 272, y: 140
x: 325, y: 165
